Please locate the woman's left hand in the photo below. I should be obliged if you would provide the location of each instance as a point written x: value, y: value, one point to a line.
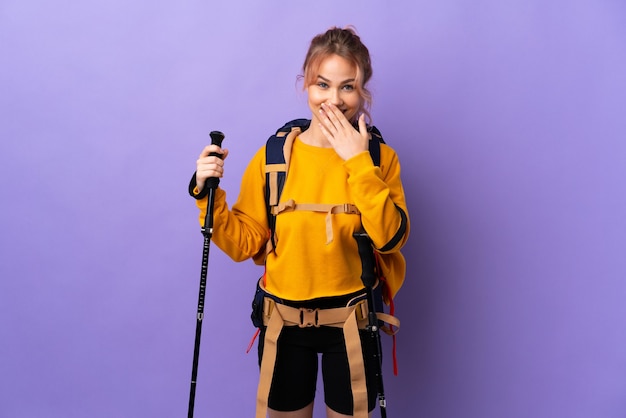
x: 346, y: 140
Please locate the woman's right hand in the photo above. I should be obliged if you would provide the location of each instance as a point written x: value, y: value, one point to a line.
x: 209, y: 165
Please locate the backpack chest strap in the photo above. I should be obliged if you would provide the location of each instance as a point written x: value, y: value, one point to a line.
x: 328, y: 208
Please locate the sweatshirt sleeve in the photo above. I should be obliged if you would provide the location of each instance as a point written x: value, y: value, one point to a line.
x: 379, y: 195
x: 241, y: 232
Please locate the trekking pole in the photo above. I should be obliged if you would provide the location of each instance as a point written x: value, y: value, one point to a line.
x: 207, y: 230
x: 368, y: 277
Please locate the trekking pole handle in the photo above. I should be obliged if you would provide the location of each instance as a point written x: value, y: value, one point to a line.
x: 216, y: 139
x: 366, y: 253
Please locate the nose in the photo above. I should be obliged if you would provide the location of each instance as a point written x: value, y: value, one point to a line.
x: 335, y: 97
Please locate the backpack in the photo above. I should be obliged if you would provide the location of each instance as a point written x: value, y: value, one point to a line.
x: 390, y: 267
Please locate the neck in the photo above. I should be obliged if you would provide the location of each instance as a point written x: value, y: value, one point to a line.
x: 314, y: 136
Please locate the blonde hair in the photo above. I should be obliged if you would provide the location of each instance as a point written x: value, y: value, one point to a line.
x: 346, y: 44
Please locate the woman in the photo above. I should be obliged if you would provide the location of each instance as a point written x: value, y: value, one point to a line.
x: 309, y: 267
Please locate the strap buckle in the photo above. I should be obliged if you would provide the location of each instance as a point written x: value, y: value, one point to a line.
x: 350, y: 209
x: 361, y: 310
x: 268, y: 307
x: 309, y: 318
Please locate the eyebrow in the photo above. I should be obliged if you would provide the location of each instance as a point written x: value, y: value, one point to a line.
x: 350, y: 80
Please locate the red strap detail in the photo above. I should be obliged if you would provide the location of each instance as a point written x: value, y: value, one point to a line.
x: 395, y: 358
x: 256, y: 334
x: 392, y: 310
x: 258, y: 330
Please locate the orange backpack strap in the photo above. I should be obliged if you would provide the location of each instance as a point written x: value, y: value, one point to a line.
x: 277, y: 155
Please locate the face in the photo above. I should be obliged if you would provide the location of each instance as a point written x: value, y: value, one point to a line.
x: 335, y: 82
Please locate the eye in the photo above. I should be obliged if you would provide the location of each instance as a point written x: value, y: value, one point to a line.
x: 348, y: 87
x: 322, y: 85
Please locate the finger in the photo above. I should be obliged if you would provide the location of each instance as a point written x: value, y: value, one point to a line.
x: 222, y: 153
x: 209, y: 170
x: 363, y: 126
x: 326, y: 120
x: 335, y: 115
x: 210, y: 164
x: 210, y: 149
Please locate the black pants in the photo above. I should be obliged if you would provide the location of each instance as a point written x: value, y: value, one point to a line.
x: 295, y: 374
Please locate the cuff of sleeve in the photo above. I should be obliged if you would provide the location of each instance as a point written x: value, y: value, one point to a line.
x: 194, y: 191
x: 359, y: 163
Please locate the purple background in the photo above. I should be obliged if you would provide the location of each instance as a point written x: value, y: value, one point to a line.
x: 509, y: 121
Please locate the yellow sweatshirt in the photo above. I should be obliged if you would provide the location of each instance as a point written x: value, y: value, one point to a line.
x: 304, y: 265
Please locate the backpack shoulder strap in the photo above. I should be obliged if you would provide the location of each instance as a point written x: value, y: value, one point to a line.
x: 374, y: 145
x: 277, y: 156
